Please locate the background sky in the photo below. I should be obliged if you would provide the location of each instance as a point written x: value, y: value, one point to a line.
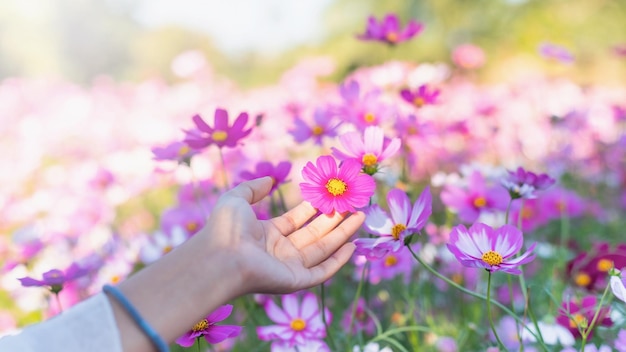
x: 239, y: 26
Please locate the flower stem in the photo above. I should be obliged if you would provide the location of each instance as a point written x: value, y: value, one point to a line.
x: 224, y: 174
x: 58, y: 299
x: 493, y: 327
x: 328, y: 334
x: 357, y: 295
x: 586, y: 332
x: 508, y: 209
x: 477, y: 295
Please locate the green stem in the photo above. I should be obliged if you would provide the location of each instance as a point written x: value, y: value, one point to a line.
x: 588, y: 330
x: 224, y: 174
x: 328, y: 334
x: 58, y: 299
x: 355, y: 302
x: 508, y: 209
x: 477, y: 295
x: 493, y: 326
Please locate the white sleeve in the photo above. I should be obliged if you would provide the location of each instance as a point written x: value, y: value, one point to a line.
x: 87, y: 326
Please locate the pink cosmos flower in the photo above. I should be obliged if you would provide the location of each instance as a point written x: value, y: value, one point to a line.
x: 420, y: 97
x: 361, y: 322
x: 189, y: 217
x: 392, y: 230
x: 176, y: 151
x: 323, y: 126
x: 483, y: 247
x: 574, y: 313
x: 556, y: 52
x: 221, y: 135
x: 523, y: 184
x: 278, y: 173
x: 160, y: 243
x: 55, y: 278
x: 296, y: 324
x: 207, y: 327
x: 329, y: 188
x: 369, y: 149
x: 476, y: 198
x: 388, y: 30
x: 468, y: 56
x: 620, y: 342
x: 361, y: 109
x: 387, y: 267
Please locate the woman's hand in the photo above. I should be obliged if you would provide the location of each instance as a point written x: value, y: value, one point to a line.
x: 282, y: 254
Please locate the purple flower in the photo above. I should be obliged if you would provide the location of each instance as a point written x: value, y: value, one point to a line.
x: 556, y: 52
x: 369, y: 148
x: 361, y: 322
x: 392, y: 230
x: 55, y: 278
x: 177, y: 151
x: 322, y: 126
x: 221, y: 135
x: 420, y: 97
x: 477, y: 198
x: 523, y: 184
x: 388, y: 30
x: 207, y: 327
x: 296, y: 324
x: 278, y: 173
x: 575, y: 315
x: 483, y: 247
x: 620, y: 343
x: 362, y: 110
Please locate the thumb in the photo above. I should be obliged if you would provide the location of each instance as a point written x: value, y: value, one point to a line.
x: 252, y: 191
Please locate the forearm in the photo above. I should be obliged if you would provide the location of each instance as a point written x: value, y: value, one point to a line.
x: 177, y: 291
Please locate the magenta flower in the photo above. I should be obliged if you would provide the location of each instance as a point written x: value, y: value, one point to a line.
x: 329, y: 188
x: 523, y: 184
x: 387, y: 267
x: 575, y: 315
x: 369, y: 150
x: 207, y: 327
x: 478, y: 197
x: 323, y: 126
x: 189, y: 217
x: 177, y: 151
x: 361, y: 109
x: 55, y: 279
x: 420, y: 97
x: 296, y: 324
x: 483, y: 247
x: 468, y: 56
x: 278, y: 173
x: 556, y: 52
x: 221, y: 135
x: 388, y: 30
x: 361, y: 322
x: 393, y: 230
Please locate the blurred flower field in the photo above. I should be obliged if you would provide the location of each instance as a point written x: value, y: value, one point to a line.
x: 495, y: 211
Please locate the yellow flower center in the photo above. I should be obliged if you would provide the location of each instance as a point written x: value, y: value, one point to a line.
x: 391, y: 260
x: 298, y: 324
x: 115, y: 279
x: 392, y: 37
x: 201, y: 326
x: 604, y: 265
x: 526, y: 213
x: 411, y: 130
x: 419, y: 102
x: 167, y: 249
x: 369, y: 159
x: 396, y: 230
x: 480, y: 202
x: 183, y: 150
x: 369, y: 117
x: 561, y: 206
x: 318, y: 130
x: 191, y: 226
x: 219, y: 136
x: 336, y: 187
x: 457, y: 278
x: 582, y: 279
x: 492, y: 258
x: 577, y: 320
